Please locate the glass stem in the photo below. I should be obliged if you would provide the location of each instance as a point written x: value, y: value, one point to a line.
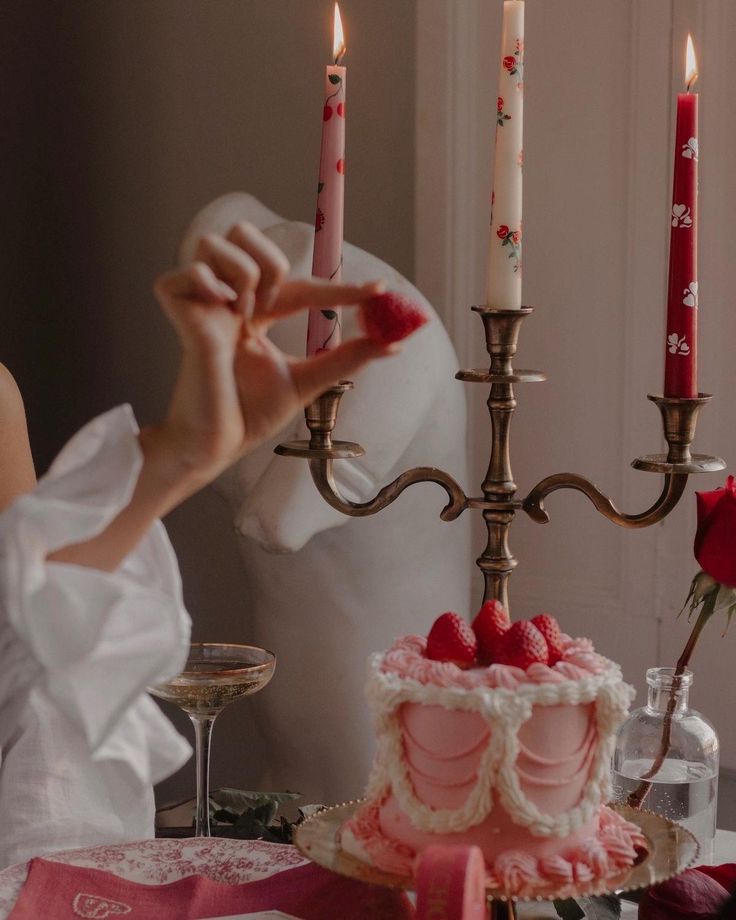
x: 202, y: 734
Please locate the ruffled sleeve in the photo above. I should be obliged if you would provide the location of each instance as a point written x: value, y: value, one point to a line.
x: 91, y: 641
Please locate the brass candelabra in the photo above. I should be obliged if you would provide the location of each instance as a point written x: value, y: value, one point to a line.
x: 498, y: 502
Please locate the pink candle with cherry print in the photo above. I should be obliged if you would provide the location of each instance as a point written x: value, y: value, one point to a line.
x: 323, y: 332
x: 681, y: 361
x: 504, y: 261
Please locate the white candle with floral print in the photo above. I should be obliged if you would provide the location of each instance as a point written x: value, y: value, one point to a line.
x: 323, y: 333
x: 504, y: 262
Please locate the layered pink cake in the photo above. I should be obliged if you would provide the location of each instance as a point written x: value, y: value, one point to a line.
x: 516, y: 761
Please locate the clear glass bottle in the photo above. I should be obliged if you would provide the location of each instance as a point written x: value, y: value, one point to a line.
x: 685, y: 787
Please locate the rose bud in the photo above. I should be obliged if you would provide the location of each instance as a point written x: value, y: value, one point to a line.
x: 715, y: 540
x: 690, y: 896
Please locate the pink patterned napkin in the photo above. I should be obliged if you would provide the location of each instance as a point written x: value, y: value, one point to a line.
x: 56, y: 891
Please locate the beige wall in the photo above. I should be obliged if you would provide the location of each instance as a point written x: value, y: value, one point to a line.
x: 119, y: 119
x: 601, y: 80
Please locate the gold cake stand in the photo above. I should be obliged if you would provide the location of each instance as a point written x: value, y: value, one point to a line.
x: 672, y: 849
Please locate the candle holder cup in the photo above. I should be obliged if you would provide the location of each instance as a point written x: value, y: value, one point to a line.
x: 498, y: 502
x: 679, y: 419
x: 321, y: 418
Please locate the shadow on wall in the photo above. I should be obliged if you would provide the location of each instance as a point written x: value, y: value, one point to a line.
x: 119, y: 121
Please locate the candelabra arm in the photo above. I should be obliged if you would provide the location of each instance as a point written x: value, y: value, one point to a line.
x: 324, y: 479
x: 674, y: 486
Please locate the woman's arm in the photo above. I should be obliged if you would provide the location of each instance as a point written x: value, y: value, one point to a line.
x: 17, y: 474
x: 235, y: 389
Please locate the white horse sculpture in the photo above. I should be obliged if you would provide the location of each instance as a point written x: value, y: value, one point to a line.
x: 329, y: 589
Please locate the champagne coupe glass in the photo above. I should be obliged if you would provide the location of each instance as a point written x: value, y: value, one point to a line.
x: 215, y: 674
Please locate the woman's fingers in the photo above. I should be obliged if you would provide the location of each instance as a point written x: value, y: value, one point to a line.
x: 196, y: 282
x: 312, y: 376
x: 273, y: 266
x: 295, y: 296
x: 199, y: 305
x: 256, y: 269
x: 234, y: 266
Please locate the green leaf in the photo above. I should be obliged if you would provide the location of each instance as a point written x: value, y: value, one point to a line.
x: 335, y: 79
x: 329, y: 314
x: 236, y: 800
x: 224, y: 816
x: 249, y: 827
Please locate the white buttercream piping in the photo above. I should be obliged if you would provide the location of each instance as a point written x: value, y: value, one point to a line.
x: 504, y: 711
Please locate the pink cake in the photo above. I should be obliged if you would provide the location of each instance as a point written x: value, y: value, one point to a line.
x: 514, y: 761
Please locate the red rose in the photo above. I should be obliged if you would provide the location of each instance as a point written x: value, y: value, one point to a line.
x: 516, y: 236
x: 688, y: 896
x: 715, y: 540
x: 509, y: 62
x: 500, y: 104
x: 502, y: 232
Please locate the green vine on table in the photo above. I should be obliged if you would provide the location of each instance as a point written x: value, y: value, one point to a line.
x: 255, y: 815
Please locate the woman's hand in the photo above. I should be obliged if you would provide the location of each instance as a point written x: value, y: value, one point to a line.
x: 235, y: 388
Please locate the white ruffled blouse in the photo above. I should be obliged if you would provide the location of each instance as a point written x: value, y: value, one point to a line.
x: 81, y: 743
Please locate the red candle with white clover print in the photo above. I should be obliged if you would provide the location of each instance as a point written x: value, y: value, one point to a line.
x: 681, y: 356
x: 324, y: 332
x: 504, y: 259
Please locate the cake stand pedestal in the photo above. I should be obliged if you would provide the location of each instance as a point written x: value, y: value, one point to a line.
x: 672, y: 849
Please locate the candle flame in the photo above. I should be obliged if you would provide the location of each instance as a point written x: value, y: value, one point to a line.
x: 338, y: 44
x: 691, y: 64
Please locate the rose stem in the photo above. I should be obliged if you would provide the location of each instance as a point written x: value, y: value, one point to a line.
x: 637, y: 798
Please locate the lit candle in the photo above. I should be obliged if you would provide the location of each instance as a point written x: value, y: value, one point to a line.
x: 323, y: 332
x: 504, y: 260
x: 680, y: 371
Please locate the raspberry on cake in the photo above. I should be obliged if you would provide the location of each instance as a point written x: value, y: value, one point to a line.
x: 511, y: 757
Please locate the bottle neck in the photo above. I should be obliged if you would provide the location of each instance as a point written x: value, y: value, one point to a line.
x: 663, y: 686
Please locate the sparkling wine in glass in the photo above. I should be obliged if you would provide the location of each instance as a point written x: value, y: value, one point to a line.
x: 215, y: 674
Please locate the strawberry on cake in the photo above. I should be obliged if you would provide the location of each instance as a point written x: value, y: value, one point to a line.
x: 499, y: 736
